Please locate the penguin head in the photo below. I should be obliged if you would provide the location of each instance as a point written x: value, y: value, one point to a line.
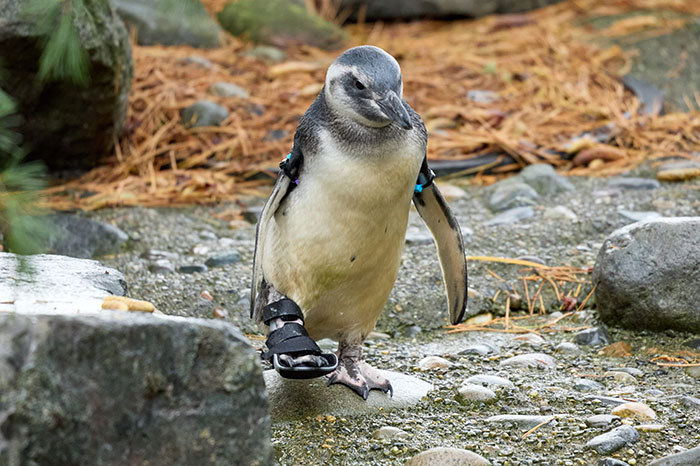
x: 364, y: 84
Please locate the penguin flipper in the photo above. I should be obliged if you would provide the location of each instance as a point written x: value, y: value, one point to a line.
x: 286, y: 182
x: 436, y: 214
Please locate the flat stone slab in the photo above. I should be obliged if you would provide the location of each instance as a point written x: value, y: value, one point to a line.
x: 295, y: 399
x: 49, y: 283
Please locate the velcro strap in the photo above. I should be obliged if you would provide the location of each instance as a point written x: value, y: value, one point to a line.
x: 289, y: 330
x: 283, y: 308
x: 294, y: 345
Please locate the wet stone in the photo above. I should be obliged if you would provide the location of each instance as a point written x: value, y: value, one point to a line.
x: 613, y: 440
x: 521, y: 421
x: 390, y: 433
x: 566, y: 347
x: 227, y: 258
x: 194, y: 268
x: 470, y: 393
x: 587, y: 385
x: 592, y: 337
x: 511, y: 216
x: 633, y: 183
x: 442, y: 456
x: 634, y: 410
x: 490, y: 381
x: 539, y: 360
x: 601, y: 420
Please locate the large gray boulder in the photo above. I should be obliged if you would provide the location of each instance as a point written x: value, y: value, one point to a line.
x: 65, y: 124
x: 115, y: 389
x: 407, y: 9
x: 169, y: 22
x: 82, y: 385
x: 647, y: 275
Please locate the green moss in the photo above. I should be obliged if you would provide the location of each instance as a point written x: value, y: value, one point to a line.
x: 279, y: 22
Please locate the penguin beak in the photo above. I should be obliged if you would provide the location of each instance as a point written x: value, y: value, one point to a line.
x: 392, y: 106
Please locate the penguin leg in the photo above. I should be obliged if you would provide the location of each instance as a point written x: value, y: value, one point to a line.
x: 293, y: 353
x: 356, y: 374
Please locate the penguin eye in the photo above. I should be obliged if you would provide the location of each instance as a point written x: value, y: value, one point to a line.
x: 359, y: 85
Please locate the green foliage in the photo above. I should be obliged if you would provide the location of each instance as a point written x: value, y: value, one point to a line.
x: 20, y: 222
x: 63, y: 57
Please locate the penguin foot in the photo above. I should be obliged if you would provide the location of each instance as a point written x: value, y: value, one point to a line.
x: 360, y: 377
x: 356, y: 374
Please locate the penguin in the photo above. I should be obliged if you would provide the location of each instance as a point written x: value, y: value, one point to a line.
x: 329, y: 239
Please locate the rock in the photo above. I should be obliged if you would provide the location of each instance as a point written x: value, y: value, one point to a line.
x: 473, y: 394
x: 373, y: 10
x: 511, y: 216
x: 538, y: 360
x: 433, y: 362
x: 620, y: 376
x: 280, y: 23
x: 633, y: 183
x: 566, y: 347
x: 68, y: 125
x: 266, y: 52
x: 601, y: 420
x: 531, y: 339
x: 196, y: 60
x: 418, y: 235
x: 678, y: 171
x: 296, y: 399
x: 97, y: 388
x: 634, y: 410
x: 274, y: 135
x: 185, y: 22
x: 74, y: 236
x: 442, y: 456
x: 203, y: 113
x: 631, y: 371
x: 194, y: 268
x: 686, y: 458
x: 509, y: 195
x: 56, y: 283
x: 646, y: 275
x: 613, y: 440
x: 390, y: 433
x: 611, y: 462
x: 161, y: 266
x: 545, y: 180
x: 607, y: 400
x: 693, y: 371
x: 480, y: 349
x: 521, y: 421
x: 226, y: 258
x: 692, y: 343
x: 689, y: 401
x: 593, y: 336
x: 587, y: 385
x: 491, y: 381
x: 559, y: 212
x: 157, y: 254
x: 482, y: 97
x: 650, y: 427
x: 650, y: 97
x: 224, y: 89
x: 637, y: 216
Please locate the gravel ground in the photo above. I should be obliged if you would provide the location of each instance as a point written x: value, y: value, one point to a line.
x: 413, y: 323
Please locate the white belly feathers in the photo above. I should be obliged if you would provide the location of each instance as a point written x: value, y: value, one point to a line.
x: 335, y: 247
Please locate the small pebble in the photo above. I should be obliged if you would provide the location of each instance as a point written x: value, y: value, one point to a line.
x: 433, y: 362
x: 634, y: 410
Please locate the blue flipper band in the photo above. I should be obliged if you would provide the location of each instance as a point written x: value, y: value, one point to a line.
x: 418, y: 188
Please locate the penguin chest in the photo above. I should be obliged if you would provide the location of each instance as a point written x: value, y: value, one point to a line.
x: 337, y: 241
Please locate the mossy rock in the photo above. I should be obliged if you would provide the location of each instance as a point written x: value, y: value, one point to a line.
x: 170, y: 22
x: 280, y: 23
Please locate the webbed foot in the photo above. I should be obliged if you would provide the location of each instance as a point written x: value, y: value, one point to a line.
x: 356, y: 374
